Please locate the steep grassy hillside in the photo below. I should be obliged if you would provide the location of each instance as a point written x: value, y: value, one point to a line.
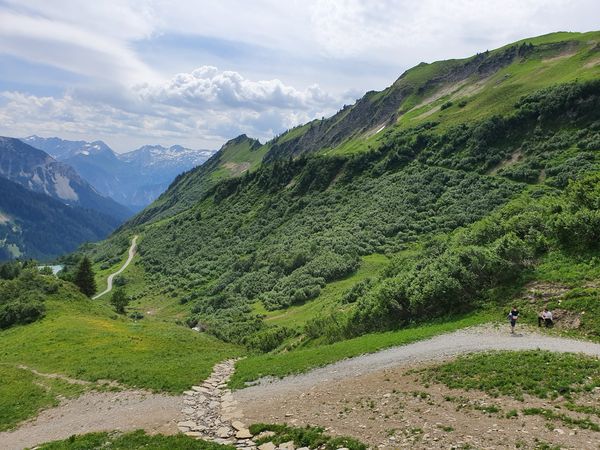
x: 85, y: 340
x: 281, y: 233
x: 463, y: 204
x: 447, y: 92
x: 450, y: 92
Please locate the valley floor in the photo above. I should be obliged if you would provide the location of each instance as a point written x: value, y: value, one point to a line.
x: 376, y: 398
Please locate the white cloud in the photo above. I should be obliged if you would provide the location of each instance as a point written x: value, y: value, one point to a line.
x: 201, y: 108
x: 343, y: 45
x: 413, y: 31
x: 207, y: 86
x: 70, y: 47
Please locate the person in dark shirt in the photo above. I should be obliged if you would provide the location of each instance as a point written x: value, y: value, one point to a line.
x: 513, y: 316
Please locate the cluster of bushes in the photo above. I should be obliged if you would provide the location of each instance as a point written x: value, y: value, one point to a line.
x: 22, y: 293
x: 268, y: 339
x: 281, y: 248
x: 531, y: 129
x: 307, y: 437
x: 453, y: 274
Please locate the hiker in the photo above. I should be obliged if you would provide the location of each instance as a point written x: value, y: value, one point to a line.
x: 513, y: 316
x: 546, y: 318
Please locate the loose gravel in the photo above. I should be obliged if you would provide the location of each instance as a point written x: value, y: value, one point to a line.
x: 469, y: 340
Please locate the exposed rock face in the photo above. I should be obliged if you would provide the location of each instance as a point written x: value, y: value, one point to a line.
x: 134, y: 179
x: 379, y: 109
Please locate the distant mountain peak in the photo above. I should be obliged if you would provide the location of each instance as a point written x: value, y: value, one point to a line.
x: 39, y: 172
x: 134, y: 178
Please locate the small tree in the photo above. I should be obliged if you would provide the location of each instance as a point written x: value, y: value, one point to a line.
x: 84, y: 277
x: 119, y: 300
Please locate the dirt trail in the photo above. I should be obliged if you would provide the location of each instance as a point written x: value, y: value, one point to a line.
x: 324, y: 396
x: 109, y: 281
x: 58, y: 376
x: 127, y: 410
x: 441, y: 347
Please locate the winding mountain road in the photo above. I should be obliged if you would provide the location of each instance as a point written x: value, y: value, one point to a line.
x: 109, y: 281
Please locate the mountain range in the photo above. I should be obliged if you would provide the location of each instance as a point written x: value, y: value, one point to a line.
x: 133, y: 179
x: 39, y: 172
x: 46, y: 208
x: 52, y: 203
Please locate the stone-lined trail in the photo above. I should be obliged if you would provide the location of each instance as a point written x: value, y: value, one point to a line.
x: 211, y: 412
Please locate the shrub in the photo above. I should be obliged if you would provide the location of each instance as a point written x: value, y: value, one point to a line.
x: 268, y: 339
x: 119, y: 300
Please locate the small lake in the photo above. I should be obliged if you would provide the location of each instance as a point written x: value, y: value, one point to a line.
x: 55, y: 269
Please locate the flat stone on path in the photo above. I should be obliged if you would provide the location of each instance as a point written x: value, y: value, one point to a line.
x: 238, y: 425
x: 187, y: 423
x: 267, y: 446
x: 243, y: 434
x: 287, y: 446
x: 193, y: 434
x: 223, y: 432
x: 201, y: 389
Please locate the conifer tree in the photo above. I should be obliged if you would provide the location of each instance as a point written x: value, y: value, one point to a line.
x: 84, y: 277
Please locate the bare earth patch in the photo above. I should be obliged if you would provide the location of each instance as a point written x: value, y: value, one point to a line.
x: 237, y: 168
x: 125, y: 411
x: 374, y: 399
x: 393, y: 409
x: 592, y: 63
x: 563, y: 55
x: 514, y: 158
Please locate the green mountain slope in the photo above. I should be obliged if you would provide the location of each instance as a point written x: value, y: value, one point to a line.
x: 433, y: 193
x: 84, y: 339
x: 447, y: 93
x: 451, y: 92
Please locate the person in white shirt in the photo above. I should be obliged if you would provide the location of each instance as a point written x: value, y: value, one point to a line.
x: 546, y: 318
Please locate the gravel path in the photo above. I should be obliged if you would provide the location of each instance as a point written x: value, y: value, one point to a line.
x: 109, y: 281
x: 130, y: 410
x: 126, y: 411
x: 441, y: 347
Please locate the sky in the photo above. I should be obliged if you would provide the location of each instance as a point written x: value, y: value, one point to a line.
x: 197, y: 73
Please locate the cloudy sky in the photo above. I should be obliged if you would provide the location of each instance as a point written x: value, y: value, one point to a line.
x: 199, y: 72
